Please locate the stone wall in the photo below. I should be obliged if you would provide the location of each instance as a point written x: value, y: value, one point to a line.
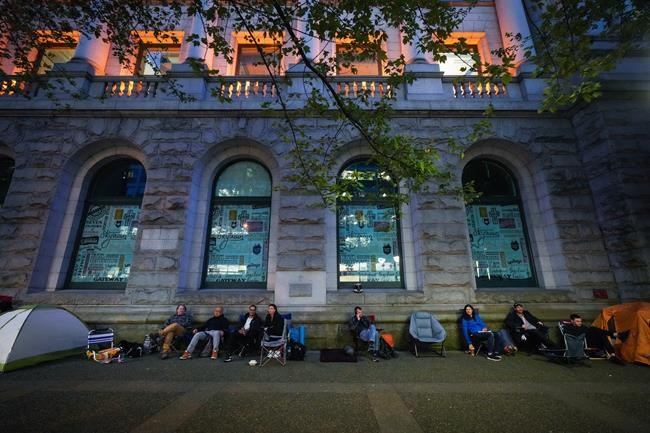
x: 57, y: 153
x: 615, y: 152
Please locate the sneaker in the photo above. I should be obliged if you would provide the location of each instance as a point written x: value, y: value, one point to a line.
x: 164, y: 355
x: 185, y: 355
x: 214, y: 355
x: 493, y: 357
x: 228, y: 359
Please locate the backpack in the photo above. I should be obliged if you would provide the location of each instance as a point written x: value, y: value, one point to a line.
x: 295, y: 351
x: 386, y: 350
x: 132, y: 350
x: 150, y: 344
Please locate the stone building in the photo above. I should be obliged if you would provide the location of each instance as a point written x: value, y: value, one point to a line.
x: 128, y: 202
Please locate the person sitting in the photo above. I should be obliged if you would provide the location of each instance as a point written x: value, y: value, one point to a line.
x: 476, y: 332
x: 362, y: 329
x: 214, y: 328
x: 247, y: 335
x: 596, y: 337
x: 527, y: 329
x: 274, y: 322
x: 176, y: 325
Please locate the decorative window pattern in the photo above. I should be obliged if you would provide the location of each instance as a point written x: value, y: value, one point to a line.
x: 109, y: 227
x: 6, y: 172
x: 238, y: 237
x: 497, y: 230
x: 369, y: 250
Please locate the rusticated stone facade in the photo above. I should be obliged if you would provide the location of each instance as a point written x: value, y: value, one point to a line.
x: 582, y: 175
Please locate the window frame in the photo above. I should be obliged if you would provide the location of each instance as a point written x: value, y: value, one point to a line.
x: 252, y: 200
x: 371, y: 285
x: 502, y: 200
x: 144, y: 47
x: 109, y: 285
x: 41, y: 54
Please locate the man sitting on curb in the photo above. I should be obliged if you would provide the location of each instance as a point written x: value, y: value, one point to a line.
x: 524, y: 327
x: 176, y: 325
x: 214, y: 328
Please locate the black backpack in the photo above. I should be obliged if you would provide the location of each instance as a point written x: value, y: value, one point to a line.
x: 132, y: 350
x: 295, y: 351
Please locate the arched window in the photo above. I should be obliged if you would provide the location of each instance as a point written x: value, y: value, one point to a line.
x: 109, y: 227
x: 238, y: 235
x: 6, y: 171
x: 369, y: 250
x: 497, y: 229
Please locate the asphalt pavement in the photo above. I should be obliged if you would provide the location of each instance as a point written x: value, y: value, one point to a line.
x: 453, y: 394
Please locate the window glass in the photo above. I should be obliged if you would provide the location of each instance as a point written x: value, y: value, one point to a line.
x: 366, y: 66
x: 160, y: 57
x: 456, y: 62
x: 109, y: 229
x: 497, y: 232
x: 53, y: 55
x: 249, y: 60
x: 244, y: 179
x: 6, y: 172
x: 238, y: 238
x: 369, y: 248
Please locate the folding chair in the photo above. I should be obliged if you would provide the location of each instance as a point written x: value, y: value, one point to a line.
x: 275, y: 346
x: 573, y: 352
x: 101, y: 338
x: 102, y: 350
x: 425, y: 330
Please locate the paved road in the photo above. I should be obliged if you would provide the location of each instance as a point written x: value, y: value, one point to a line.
x: 455, y: 394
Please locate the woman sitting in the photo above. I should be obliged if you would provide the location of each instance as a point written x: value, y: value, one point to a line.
x: 476, y: 332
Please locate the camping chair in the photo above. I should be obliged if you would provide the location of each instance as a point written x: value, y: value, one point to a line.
x: 102, y: 349
x: 100, y: 338
x: 593, y: 353
x: 426, y: 331
x: 573, y: 352
x: 275, y: 346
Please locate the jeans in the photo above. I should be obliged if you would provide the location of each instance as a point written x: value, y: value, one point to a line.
x: 481, y: 337
x: 370, y: 335
x: 199, y: 336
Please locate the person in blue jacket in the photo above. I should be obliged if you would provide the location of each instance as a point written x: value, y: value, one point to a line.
x: 476, y: 332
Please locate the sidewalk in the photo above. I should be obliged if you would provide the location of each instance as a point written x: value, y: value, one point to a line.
x: 454, y: 394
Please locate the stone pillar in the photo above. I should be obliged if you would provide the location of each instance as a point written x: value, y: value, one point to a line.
x: 512, y: 19
x: 196, y: 52
x: 310, y: 40
x: 91, y: 51
x: 412, y: 53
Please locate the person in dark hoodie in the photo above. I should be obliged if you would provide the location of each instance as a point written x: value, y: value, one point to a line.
x: 362, y: 329
x: 215, y: 328
x: 524, y: 327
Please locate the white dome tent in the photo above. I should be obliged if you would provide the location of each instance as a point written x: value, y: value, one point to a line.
x: 36, y: 334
